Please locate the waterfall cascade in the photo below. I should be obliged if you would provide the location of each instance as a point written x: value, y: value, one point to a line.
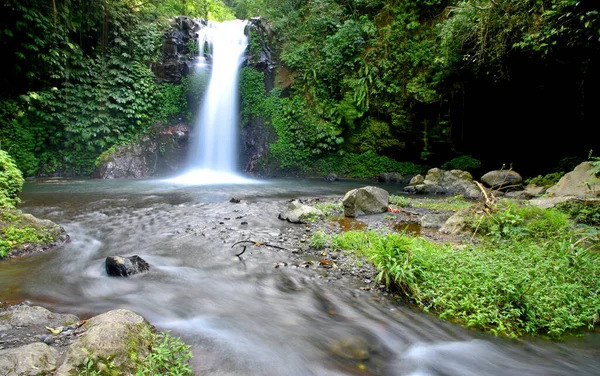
x: 213, y: 151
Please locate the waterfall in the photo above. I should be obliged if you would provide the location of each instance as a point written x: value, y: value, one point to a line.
x: 213, y: 150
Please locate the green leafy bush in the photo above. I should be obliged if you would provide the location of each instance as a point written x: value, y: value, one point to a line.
x: 11, y: 181
x: 586, y: 212
x: 318, y: 240
x: 168, y: 356
x: 535, y: 286
x: 547, y: 180
x: 464, y: 162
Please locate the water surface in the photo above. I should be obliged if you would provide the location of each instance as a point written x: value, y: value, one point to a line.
x: 243, y: 316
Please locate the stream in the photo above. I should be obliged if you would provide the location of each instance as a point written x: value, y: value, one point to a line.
x: 242, y: 316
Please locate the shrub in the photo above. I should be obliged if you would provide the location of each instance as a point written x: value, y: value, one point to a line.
x: 11, y: 181
x: 464, y: 162
x: 547, y: 180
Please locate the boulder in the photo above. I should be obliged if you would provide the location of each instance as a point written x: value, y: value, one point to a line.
x: 29, y: 360
x: 161, y: 154
x: 459, y: 221
x: 502, y: 179
x: 299, y: 213
x: 24, y: 315
x: 450, y: 182
x: 417, y: 180
x: 112, y: 335
x: 434, y: 220
x: 118, y: 266
x: 369, y: 200
x: 582, y: 183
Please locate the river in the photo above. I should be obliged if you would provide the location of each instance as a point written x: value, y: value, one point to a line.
x: 242, y: 316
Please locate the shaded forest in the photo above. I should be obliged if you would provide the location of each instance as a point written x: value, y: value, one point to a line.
x: 361, y: 86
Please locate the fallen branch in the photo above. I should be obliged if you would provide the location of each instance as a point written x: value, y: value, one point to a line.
x: 256, y: 244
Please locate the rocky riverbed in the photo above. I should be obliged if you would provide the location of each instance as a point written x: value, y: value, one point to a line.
x: 22, y: 326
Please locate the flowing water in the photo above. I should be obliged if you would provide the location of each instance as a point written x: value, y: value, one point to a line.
x: 243, y: 316
x: 213, y: 153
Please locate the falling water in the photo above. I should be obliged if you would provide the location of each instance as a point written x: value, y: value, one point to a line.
x: 213, y: 154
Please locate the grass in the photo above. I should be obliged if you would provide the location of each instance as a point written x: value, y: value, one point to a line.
x: 453, y: 203
x: 17, y: 231
x: 530, y: 273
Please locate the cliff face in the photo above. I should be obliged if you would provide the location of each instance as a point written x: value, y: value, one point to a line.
x: 257, y: 133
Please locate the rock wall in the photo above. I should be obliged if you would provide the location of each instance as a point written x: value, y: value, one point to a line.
x: 257, y: 134
x: 176, y: 62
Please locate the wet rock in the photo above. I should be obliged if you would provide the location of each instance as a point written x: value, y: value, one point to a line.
x: 235, y: 200
x: 298, y: 213
x: 368, y: 200
x: 331, y: 177
x: 33, y: 359
x: 118, y: 266
x: 352, y: 348
x: 502, y: 179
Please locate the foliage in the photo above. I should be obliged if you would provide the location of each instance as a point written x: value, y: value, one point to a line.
x: 363, y: 165
x: 453, y: 203
x: 17, y: 230
x: 514, y: 222
x: 318, y: 240
x: 464, y: 162
x: 11, y: 181
x: 511, y: 288
x: 168, y: 356
x: 330, y: 208
x: 547, y: 180
x: 586, y: 212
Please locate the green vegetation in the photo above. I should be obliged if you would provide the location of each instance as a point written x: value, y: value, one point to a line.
x: 453, y: 203
x: 330, y: 208
x: 11, y: 181
x: 318, y: 240
x: 168, y: 356
x: 531, y: 273
x: 464, y: 162
x: 546, y: 181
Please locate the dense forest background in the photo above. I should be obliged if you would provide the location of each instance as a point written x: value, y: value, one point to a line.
x: 361, y: 86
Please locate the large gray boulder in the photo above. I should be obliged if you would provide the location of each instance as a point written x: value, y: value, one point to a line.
x: 24, y: 315
x: 29, y: 360
x: 297, y: 212
x: 502, y: 179
x: 110, y: 336
x: 582, y: 183
x: 368, y: 200
x: 450, y: 182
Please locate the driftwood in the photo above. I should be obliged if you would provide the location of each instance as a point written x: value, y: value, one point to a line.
x: 255, y: 243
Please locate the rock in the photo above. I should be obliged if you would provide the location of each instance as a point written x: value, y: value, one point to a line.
x: 159, y: 155
x: 352, y: 348
x: 502, y: 179
x: 33, y: 359
x: 458, y: 222
x: 298, y: 213
x: 52, y: 234
x: 528, y: 193
x: 24, y: 315
x: 434, y: 220
x: 417, y: 180
x: 581, y: 183
x: 450, y: 182
x: 392, y: 177
x: 118, y: 266
x: 113, y: 334
x: 235, y: 200
x: 331, y: 177
x: 369, y: 200
x: 174, y: 63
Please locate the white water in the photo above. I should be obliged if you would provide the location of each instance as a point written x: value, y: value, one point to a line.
x: 213, y: 152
